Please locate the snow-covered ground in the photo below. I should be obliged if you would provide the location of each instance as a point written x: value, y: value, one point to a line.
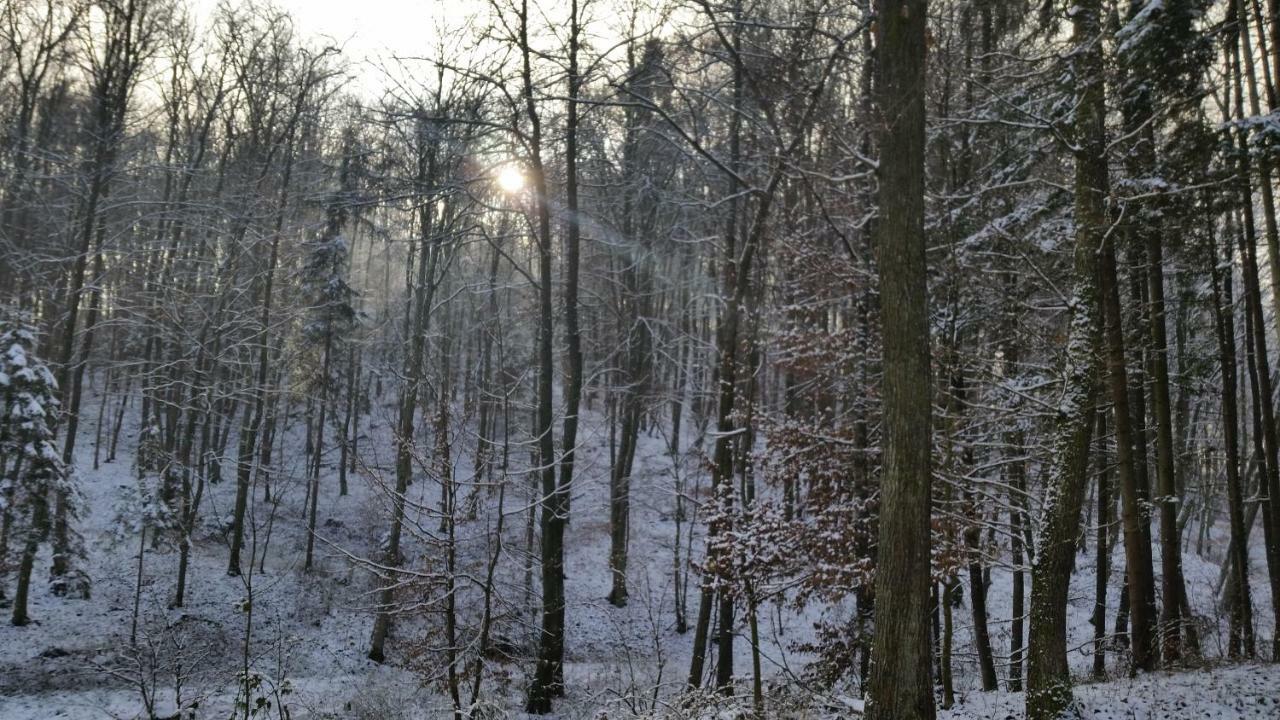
x: 310, y: 631
x: 1243, y: 691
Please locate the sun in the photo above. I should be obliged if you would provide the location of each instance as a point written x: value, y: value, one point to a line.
x: 511, y: 179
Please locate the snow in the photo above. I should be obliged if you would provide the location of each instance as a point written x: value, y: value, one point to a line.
x: 1141, y: 25
x: 311, y: 631
x: 1229, y: 693
x: 17, y: 355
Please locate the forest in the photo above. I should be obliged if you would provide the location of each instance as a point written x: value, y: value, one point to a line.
x: 600, y: 359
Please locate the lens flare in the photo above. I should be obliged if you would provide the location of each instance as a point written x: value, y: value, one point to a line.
x: 511, y: 179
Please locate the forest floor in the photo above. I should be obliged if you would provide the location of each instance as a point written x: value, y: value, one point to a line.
x: 310, y: 631
x: 1238, y: 691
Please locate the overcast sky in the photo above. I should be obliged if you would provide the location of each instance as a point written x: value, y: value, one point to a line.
x: 369, y: 29
x: 371, y: 26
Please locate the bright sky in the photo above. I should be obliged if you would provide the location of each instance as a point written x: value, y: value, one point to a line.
x: 369, y: 29
x: 372, y: 30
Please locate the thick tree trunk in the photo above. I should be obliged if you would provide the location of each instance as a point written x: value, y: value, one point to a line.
x: 1048, y: 676
x: 900, y: 686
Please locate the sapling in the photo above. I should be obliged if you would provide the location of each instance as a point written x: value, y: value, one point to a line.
x: 142, y: 508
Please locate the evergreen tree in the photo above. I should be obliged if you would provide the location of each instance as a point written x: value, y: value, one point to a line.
x: 332, y: 316
x: 31, y: 468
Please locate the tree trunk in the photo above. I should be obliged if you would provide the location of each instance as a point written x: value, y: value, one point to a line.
x: 254, y: 413
x: 1173, y: 587
x: 548, y: 680
x: 1257, y: 360
x: 978, y: 601
x: 416, y: 323
x: 323, y: 401
x: 900, y: 686
x: 350, y: 416
x: 1101, y: 570
x: 31, y: 543
x: 1241, y: 636
x: 1138, y: 566
x: 1048, y: 678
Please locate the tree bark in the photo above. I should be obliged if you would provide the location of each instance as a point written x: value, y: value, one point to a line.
x: 416, y: 323
x: 900, y: 686
x: 1048, y: 677
x: 1138, y: 565
x: 1240, y: 637
x: 1102, y: 554
x: 548, y: 680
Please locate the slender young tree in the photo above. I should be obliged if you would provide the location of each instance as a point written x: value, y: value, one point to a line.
x: 1241, y: 639
x: 417, y: 318
x: 332, y: 318
x: 548, y: 678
